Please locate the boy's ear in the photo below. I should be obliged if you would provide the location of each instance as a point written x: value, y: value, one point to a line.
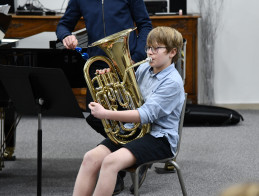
x: 173, y: 52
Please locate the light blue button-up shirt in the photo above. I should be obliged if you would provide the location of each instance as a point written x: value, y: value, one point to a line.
x: 164, y: 96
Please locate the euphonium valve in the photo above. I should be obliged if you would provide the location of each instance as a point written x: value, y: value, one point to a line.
x: 117, y: 89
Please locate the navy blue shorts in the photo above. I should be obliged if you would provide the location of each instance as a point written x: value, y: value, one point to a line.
x: 145, y: 149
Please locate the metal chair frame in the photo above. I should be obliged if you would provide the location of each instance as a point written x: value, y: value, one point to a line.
x: 1, y: 138
x: 135, y: 171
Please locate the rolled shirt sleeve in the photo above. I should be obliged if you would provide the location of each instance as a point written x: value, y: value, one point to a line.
x: 154, y: 108
x: 163, y: 95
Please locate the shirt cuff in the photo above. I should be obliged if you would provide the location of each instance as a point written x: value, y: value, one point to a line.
x: 143, y: 116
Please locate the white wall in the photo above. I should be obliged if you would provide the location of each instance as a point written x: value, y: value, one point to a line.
x: 236, y: 54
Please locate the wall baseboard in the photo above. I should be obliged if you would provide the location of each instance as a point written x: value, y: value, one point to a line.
x: 252, y: 106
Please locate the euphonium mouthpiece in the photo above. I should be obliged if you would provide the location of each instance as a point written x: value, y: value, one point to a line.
x: 149, y: 59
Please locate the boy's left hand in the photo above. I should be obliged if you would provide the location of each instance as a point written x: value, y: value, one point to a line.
x: 97, y: 110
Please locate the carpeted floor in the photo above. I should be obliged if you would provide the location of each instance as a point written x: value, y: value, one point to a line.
x: 211, y: 158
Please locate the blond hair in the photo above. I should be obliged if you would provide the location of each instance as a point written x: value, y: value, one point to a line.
x: 247, y: 189
x: 167, y: 36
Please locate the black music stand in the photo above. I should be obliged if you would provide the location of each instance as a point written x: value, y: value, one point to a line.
x: 39, y: 91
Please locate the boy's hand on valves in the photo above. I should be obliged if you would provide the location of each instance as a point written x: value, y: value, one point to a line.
x: 97, y: 110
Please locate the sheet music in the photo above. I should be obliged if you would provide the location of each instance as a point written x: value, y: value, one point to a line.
x: 4, y: 9
x: 9, y: 40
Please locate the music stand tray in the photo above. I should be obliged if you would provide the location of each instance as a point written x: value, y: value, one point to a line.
x: 39, y: 91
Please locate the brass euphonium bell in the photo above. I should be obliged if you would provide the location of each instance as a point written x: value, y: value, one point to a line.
x: 117, y: 88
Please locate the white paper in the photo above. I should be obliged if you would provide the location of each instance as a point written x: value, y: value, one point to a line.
x: 9, y: 40
x: 4, y: 9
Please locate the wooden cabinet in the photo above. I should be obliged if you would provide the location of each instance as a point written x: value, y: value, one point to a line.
x: 24, y: 26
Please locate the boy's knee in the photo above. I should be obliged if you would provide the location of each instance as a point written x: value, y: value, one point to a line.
x: 90, y: 159
x: 109, y: 163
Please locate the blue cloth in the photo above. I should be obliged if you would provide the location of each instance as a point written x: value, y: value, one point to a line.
x: 108, y: 18
x: 164, y: 96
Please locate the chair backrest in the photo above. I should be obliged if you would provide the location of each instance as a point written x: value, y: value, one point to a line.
x: 181, y: 63
x: 181, y: 126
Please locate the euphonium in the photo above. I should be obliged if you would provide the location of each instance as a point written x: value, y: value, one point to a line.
x: 117, y: 88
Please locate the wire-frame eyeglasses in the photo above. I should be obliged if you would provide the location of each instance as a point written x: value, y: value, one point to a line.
x: 153, y: 49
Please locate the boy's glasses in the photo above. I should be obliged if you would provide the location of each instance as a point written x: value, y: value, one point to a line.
x: 153, y: 49
x: 84, y: 55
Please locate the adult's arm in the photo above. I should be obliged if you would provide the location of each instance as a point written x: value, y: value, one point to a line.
x: 144, y: 26
x: 68, y: 22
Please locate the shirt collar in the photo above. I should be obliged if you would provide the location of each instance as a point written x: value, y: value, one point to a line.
x: 162, y: 74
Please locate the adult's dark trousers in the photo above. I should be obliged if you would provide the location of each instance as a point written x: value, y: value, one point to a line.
x: 10, y: 127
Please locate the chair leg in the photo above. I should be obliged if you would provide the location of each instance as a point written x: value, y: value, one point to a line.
x: 136, y: 192
x: 180, y: 178
x: 133, y: 176
x: 135, y: 180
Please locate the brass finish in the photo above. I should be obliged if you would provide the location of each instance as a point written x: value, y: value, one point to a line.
x: 117, y: 88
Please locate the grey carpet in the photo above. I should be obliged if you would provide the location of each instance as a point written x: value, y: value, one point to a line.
x: 211, y: 158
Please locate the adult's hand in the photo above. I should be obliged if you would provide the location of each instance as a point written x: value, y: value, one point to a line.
x: 70, y: 42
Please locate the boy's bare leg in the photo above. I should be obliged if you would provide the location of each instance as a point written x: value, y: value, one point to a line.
x: 111, y: 165
x: 88, y: 172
